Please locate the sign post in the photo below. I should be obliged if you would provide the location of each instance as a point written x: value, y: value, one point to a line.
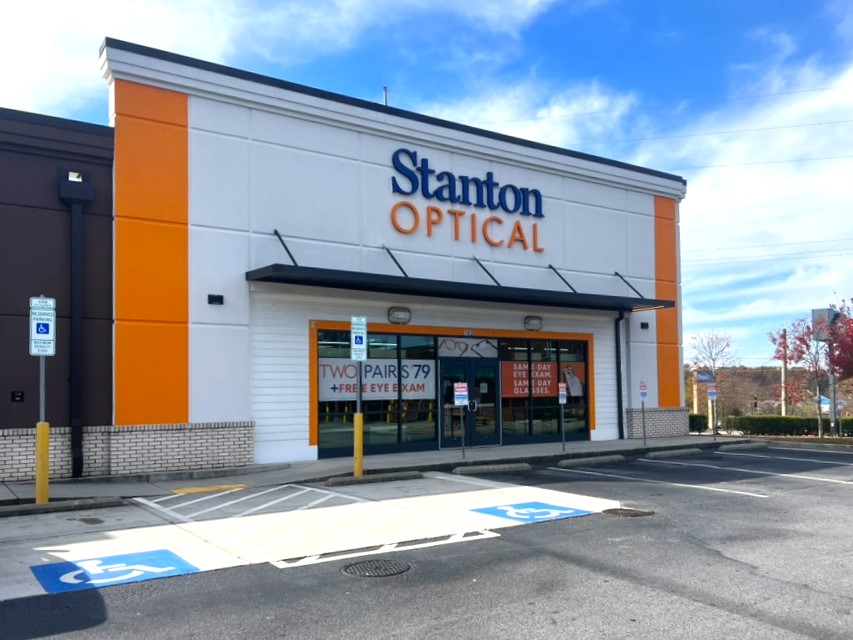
x: 42, y: 344
x: 358, y: 352
x: 562, y: 394
x: 644, y: 391
x: 712, y: 396
x: 460, y: 399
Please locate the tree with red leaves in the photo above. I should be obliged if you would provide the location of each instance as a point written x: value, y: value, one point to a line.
x: 797, y: 345
x: 841, y: 341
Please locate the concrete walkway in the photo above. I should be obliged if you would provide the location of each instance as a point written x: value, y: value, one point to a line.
x: 16, y: 497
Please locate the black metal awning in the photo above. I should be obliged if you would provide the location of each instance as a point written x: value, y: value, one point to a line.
x: 380, y: 283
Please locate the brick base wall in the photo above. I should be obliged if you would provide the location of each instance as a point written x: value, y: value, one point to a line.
x: 134, y: 449
x: 660, y: 423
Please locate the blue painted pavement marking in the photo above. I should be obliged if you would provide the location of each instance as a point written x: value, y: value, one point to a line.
x: 103, y: 572
x: 528, y: 512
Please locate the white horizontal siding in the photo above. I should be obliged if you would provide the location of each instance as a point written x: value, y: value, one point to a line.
x: 280, y: 367
x: 279, y: 380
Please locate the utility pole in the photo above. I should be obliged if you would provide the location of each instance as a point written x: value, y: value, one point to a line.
x: 695, y: 395
x: 784, y: 372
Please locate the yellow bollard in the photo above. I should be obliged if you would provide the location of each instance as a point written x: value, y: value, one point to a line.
x: 42, y: 462
x: 358, y: 444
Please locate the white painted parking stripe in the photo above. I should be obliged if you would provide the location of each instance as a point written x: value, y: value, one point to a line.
x: 672, y: 484
x: 388, y: 548
x: 242, y: 499
x: 209, y: 496
x: 833, y: 451
x: 345, y: 496
x: 169, y: 513
x: 261, y: 507
x: 797, y: 476
x: 171, y: 496
x: 314, y: 503
x: 467, y: 480
x: 794, y: 459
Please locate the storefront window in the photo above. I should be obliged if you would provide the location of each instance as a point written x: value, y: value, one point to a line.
x: 400, y: 395
x: 398, y: 392
x: 421, y: 347
x: 381, y: 346
x: 573, y: 372
x: 531, y: 371
x: 333, y: 344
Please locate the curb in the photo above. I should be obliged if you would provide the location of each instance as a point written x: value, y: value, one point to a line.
x: 673, y: 453
x: 744, y: 445
x: 31, y: 508
x: 779, y: 444
x: 585, y: 462
x: 340, y: 481
x: 474, y: 469
x: 163, y: 476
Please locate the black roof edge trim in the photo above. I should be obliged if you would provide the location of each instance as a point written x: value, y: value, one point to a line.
x: 54, y: 121
x: 381, y: 283
x: 167, y: 56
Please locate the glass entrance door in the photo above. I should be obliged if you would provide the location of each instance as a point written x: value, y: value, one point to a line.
x: 479, y: 420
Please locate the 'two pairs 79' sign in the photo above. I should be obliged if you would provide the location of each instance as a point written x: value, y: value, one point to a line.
x: 381, y: 379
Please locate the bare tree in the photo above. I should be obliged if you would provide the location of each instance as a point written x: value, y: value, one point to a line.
x: 712, y: 351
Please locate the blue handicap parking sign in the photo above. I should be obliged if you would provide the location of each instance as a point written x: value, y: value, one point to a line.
x: 528, y: 512
x: 42, y: 328
x: 103, y: 572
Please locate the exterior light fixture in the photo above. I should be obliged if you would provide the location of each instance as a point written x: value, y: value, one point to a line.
x: 533, y: 323
x: 399, y: 315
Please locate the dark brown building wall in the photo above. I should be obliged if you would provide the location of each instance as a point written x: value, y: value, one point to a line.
x: 35, y: 259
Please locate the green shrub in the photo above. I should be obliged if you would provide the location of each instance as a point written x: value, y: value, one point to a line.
x: 698, y: 422
x: 775, y: 425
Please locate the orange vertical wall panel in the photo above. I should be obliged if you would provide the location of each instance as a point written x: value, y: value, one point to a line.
x: 150, y: 103
x: 151, y: 269
x: 151, y: 385
x: 669, y: 370
x: 151, y: 265
x: 313, y: 386
x: 152, y: 185
x: 666, y: 288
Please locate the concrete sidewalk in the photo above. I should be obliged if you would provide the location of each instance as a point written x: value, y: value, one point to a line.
x: 16, y: 498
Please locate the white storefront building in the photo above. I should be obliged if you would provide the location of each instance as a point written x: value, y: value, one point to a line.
x: 254, y: 218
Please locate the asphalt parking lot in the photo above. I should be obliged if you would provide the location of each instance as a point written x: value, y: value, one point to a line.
x: 764, y: 533
x: 747, y: 543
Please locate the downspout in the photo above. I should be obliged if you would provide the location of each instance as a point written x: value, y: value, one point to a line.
x: 76, y: 191
x: 619, y: 404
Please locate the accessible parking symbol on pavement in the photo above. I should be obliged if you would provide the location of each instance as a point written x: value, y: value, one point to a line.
x: 527, y: 512
x: 103, y: 572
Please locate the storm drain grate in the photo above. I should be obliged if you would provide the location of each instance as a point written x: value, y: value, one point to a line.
x: 376, y: 568
x: 627, y: 513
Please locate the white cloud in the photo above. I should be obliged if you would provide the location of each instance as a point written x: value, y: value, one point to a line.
x: 535, y: 111
x: 54, y: 69
x: 792, y: 216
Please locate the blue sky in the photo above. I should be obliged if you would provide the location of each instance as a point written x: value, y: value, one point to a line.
x: 750, y: 100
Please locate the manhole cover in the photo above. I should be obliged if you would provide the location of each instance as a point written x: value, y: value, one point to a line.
x: 627, y: 513
x: 376, y: 568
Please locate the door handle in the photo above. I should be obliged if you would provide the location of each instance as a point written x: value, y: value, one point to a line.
x: 473, y: 406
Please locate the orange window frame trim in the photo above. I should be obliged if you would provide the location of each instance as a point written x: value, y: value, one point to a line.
x: 315, y: 326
